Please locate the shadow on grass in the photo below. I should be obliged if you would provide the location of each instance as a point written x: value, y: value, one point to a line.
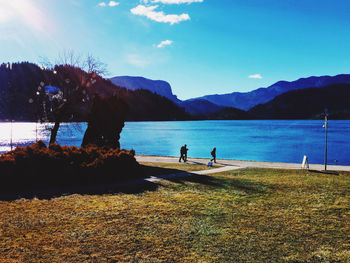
x: 249, y: 186
x: 194, y: 162
x: 325, y: 172
x: 158, y: 171
x: 133, y: 186
x: 226, y: 164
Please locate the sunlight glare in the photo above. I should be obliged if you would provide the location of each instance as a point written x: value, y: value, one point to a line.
x: 27, y: 12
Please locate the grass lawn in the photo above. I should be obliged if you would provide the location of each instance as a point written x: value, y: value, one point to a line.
x: 248, y: 215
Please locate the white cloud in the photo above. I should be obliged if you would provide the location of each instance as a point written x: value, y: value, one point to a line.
x: 177, y: 1
x: 150, y: 13
x: 255, y: 76
x: 111, y: 3
x: 164, y: 43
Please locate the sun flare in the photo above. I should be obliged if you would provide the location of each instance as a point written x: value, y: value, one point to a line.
x: 26, y: 12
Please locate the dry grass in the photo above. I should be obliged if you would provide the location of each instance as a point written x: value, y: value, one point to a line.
x: 248, y: 215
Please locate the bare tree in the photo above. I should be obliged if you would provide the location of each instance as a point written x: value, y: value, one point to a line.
x: 94, y: 65
x: 88, y: 68
x: 70, y: 58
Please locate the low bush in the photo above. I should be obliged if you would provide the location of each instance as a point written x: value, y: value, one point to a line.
x: 40, y: 166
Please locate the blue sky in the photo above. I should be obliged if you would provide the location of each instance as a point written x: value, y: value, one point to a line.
x: 199, y: 46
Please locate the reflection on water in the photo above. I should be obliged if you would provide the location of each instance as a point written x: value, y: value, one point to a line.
x: 19, y: 134
x: 24, y: 133
x: 280, y: 141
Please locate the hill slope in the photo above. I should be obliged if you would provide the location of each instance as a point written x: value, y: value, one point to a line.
x: 307, y: 104
x: 229, y: 113
x: 159, y: 87
x: 198, y: 107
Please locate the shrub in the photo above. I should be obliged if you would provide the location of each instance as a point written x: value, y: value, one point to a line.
x: 40, y: 166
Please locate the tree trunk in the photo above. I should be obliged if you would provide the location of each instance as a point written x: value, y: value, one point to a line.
x: 54, y: 132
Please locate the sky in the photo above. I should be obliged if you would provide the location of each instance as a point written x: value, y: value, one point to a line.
x: 200, y: 47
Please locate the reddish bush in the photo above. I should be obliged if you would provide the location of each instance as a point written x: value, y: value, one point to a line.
x: 39, y: 165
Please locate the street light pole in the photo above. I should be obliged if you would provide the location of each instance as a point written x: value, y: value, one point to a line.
x: 325, y: 149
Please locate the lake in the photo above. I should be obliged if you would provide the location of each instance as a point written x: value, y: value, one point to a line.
x: 259, y: 140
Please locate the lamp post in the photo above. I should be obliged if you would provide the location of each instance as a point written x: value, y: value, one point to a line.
x: 325, y: 146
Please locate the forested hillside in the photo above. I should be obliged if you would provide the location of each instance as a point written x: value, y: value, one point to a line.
x: 30, y: 93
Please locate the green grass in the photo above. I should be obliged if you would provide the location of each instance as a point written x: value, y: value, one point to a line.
x: 247, y: 215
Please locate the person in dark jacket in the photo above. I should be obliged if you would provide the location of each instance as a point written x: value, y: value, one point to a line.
x: 186, y: 150
x: 213, y: 154
x: 183, y: 153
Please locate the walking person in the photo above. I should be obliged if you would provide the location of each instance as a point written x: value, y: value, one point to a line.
x: 183, y: 153
x: 213, y: 154
x: 186, y: 150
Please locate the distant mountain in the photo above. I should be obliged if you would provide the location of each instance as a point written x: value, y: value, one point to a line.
x: 307, y: 104
x: 199, y: 107
x: 159, y: 87
x: 247, y: 100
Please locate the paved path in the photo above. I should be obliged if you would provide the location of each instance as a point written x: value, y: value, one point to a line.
x: 236, y: 164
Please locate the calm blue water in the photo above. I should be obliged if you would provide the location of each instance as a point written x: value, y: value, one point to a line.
x: 260, y: 140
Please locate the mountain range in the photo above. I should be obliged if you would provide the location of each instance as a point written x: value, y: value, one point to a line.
x: 227, y: 106
x: 247, y: 100
x: 23, y: 85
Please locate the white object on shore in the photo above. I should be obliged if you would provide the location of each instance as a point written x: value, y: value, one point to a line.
x: 305, y: 164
